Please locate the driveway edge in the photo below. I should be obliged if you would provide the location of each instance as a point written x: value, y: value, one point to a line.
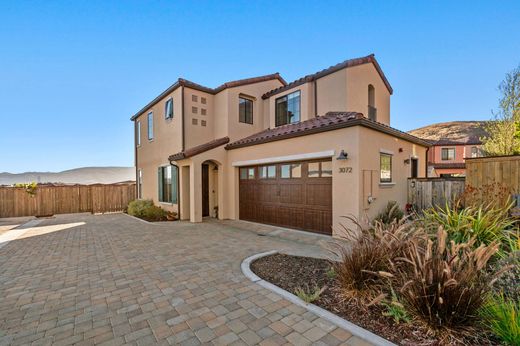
x: 327, y: 315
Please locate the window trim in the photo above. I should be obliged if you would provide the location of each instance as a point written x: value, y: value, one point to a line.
x: 245, y: 98
x: 299, y: 107
x: 150, y: 116
x: 138, y: 133
x: 174, y: 184
x: 166, y: 117
x: 447, y: 149
x: 381, y: 180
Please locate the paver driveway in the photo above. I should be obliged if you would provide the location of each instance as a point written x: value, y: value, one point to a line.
x: 111, y: 279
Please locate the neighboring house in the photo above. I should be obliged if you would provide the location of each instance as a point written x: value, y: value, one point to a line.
x: 301, y: 154
x: 452, y: 143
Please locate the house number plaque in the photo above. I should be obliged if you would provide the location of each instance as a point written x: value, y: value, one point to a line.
x: 345, y: 169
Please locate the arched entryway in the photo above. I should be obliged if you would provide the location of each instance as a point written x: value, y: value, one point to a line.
x: 210, y: 189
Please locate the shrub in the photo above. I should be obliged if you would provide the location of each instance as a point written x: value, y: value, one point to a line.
x: 502, y: 316
x: 310, y: 296
x: 392, y: 213
x: 508, y: 284
x: 485, y: 224
x: 145, y: 209
x: 444, y: 283
x: 370, y: 250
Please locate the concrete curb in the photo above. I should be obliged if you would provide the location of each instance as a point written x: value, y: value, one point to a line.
x: 138, y: 219
x: 17, y: 232
x: 335, y: 319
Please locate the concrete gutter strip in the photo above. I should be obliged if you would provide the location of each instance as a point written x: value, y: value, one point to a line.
x: 335, y: 319
x: 147, y: 222
x: 17, y: 232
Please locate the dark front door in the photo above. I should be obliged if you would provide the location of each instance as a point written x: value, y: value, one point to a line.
x: 296, y: 195
x: 415, y: 168
x: 205, y: 190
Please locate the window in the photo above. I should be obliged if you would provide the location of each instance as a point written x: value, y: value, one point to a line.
x: 448, y: 153
x: 287, y: 109
x: 203, y: 123
x: 245, y: 110
x: 150, y: 126
x: 291, y: 171
x: 194, y: 98
x: 372, y: 110
x: 319, y: 169
x: 194, y: 110
x: 203, y: 111
x: 267, y: 172
x: 385, y: 164
x: 474, y: 152
x: 139, y: 184
x: 138, y: 133
x: 167, y: 178
x: 168, y: 109
x: 203, y: 100
x: 247, y: 173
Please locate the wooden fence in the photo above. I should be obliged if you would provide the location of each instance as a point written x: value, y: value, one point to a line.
x: 504, y: 170
x: 50, y: 200
x: 423, y: 193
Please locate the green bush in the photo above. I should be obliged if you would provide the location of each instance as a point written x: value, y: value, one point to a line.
x: 502, y: 316
x: 485, y: 224
x: 146, y: 210
x: 392, y: 213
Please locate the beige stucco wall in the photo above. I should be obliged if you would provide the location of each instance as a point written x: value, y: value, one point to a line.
x: 358, y: 79
x: 167, y: 140
x: 196, y: 134
x: 332, y: 93
x: 371, y: 144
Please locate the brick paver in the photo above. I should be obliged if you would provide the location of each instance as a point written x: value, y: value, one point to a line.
x: 113, y: 280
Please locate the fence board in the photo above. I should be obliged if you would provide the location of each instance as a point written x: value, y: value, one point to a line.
x: 50, y: 200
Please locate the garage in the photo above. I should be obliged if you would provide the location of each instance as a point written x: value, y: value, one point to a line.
x: 292, y: 194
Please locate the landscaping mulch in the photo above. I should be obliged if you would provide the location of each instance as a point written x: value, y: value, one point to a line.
x: 293, y: 272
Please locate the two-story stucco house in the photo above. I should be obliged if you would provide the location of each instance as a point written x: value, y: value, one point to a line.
x: 299, y: 155
x: 451, y: 144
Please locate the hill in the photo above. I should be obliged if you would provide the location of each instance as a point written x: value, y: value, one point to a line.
x: 84, y: 175
x: 458, y: 131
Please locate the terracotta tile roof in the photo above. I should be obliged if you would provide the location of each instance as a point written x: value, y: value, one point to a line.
x: 347, y: 63
x: 328, y: 122
x: 198, y: 149
x: 213, y: 91
x: 451, y: 165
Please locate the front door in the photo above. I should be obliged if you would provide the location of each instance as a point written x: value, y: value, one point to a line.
x: 205, y: 190
x: 415, y: 168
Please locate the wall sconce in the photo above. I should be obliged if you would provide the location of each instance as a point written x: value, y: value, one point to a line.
x: 342, y: 156
x: 407, y: 161
x: 400, y: 150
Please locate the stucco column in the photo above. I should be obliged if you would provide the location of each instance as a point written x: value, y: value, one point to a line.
x: 184, y: 192
x: 221, y: 183
x: 195, y: 192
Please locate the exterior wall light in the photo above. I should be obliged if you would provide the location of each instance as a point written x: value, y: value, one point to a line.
x: 407, y: 161
x: 342, y: 156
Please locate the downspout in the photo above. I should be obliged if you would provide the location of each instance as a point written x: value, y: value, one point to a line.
x: 316, y: 98
x: 426, y: 162
x: 135, y: 161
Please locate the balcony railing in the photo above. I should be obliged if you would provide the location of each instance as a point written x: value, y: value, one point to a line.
x: 372, y: 113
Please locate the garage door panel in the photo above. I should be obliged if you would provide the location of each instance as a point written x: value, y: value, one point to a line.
x: 296, y: 202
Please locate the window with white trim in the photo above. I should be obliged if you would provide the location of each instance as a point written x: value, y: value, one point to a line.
x: 150, y: 126
x: 385, y: 167
x: 140, y: 184
x: 138, y: 133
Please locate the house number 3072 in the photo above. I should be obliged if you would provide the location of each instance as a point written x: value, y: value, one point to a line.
x: 345, y: 169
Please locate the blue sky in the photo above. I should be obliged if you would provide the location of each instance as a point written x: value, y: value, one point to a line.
x: 73, y: 72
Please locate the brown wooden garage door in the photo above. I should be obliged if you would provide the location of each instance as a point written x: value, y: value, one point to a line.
x: 296, y: 195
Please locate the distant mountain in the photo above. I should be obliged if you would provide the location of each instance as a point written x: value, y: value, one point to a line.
x: 457, y: 131
x: 84, y: 175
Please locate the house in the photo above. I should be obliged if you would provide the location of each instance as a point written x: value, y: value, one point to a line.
x: 300, y: 155
x: 452, y: 142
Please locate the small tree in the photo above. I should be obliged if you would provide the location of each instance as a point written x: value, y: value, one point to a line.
x: 504, y: 131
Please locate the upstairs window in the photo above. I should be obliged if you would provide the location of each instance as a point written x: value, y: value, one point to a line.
x: 150, y: 126
x: 385, y: 166
x: 287, y: 109
x: 474, y: 152
x: 372, y: 110
x: 138, y: 133
x: 168, y: 109
x: 245, y: 110
x: 447, y: 154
